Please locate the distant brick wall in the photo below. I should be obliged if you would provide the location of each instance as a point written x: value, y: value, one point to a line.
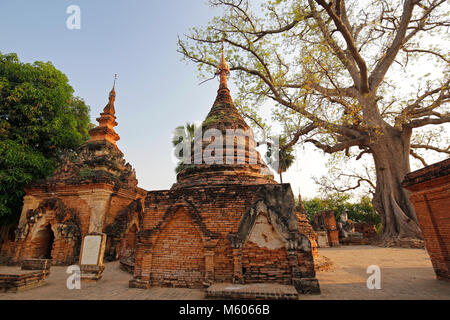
x: 430, y: 196
x: 366, y: 228
x: 329, y: 223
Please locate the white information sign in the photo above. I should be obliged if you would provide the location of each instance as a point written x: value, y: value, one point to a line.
x: 91, y: 249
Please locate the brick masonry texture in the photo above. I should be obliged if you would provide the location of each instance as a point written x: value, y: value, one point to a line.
x: 86, y: 193
x: 430, y: 195
x: 326, y: 221
x: 194, y: 236
x: 226, y: 222
x: 219, y: 222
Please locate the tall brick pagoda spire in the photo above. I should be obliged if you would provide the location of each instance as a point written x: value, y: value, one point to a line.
x: 240, y: 162
x: 107, y: 121
x: 226, y: 219
x: 91, y: 187
x: 99, y: 159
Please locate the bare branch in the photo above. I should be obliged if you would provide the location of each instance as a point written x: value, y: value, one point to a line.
x: 347, y: 60
x: 388, y: 58
x: 346, y: 33
x: 428, y: 52
x: 426, y: 121
x: 428, y: 147
x: 301, y: 132
x: 337, y: 147
x: 415, y: 155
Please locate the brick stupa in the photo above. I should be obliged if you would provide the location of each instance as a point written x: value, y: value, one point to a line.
x: 223, y: 222
x: 87, y: 192
x: 242, y: 164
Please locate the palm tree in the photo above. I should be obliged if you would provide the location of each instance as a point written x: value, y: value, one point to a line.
x: 285, y: 157
x: 183, y: 134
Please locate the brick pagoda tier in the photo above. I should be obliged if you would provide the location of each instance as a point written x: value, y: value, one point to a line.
x: 227, y: 222
x: 88, y: 191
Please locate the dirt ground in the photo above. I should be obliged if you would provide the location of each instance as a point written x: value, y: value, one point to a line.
x: 405, y: 274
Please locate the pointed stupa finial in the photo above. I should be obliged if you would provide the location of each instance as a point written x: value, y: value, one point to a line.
x: 223, y: 69
x: 107, y: 121
x: 109, y: 108
x: 113, y: 90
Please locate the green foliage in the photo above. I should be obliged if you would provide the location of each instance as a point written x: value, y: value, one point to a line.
x: 183, y: 134
x: 285, y: 157
x: 86, y: 172
x: 40, y: 119
x: 361, y: 211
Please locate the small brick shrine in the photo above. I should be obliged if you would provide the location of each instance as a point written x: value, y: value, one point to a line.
x: 327, y: 231
x: 223, y: 222
x: 86, y: 194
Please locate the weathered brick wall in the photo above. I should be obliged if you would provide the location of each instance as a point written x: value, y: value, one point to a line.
x: 223, y: 261
x: 53, y: 230
x: 306, y: 264
x: 178, y: 257
x: 199, y: 221
x: 329, y: 222
x: 430, y: 196
x: 307, y: 229
x: 261, y: 264
x: 366, y: 228
x: 122, y: 234
x: 75, y: 204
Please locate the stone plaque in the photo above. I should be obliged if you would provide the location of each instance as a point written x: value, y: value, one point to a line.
x: 322, y: 239
x: 92, y: 249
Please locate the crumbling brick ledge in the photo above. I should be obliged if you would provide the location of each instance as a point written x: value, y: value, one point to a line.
x: 22, y: 281
x: 254, y: 291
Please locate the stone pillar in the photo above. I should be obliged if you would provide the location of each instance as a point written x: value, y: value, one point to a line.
x: 98, y: 201
x: 138, y: 261
x: 237, y: 263
x: 142, y: 267
x: 210, y: 245
x: 29, y: 203
x: 146, y: 265
x: 209, y: 264
x: 292, y: 257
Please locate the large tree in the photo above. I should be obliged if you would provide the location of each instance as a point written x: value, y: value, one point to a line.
x: 40, y: 119
x: 347, y: 68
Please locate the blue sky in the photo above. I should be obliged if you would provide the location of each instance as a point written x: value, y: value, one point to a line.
x: 156, y: 91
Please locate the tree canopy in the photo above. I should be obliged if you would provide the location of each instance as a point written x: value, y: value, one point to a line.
x: 335, y: 72
x: 40, y: 120
x: 360, y: 211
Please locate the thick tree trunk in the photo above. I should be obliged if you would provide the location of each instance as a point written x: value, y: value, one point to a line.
x: 391, y: 200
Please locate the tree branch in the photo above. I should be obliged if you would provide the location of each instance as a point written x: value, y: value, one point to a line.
x: 426, y: 121
x: 415, y: 155
x: 301, y: 132
x: 337, y: 147
x: 363, y: 73
x: 349, y: 64
x: 428, y: 147
x: 388, y: 58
